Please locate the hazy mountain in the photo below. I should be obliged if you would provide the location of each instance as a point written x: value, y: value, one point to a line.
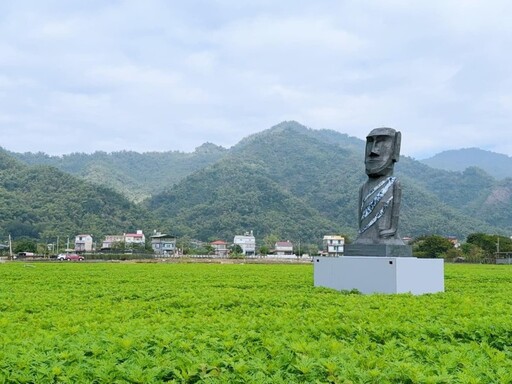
x: 495, y: 164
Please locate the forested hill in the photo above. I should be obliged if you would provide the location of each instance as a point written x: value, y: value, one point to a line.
x: 322, y: 172
x: 495, y: 164
x: 135, y: 175
x: 43, y: 202
x: 290, y: 181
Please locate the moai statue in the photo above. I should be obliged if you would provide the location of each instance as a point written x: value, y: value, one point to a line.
x: 379, y: 199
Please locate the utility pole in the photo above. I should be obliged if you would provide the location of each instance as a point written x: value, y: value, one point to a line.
x: 10, y: 246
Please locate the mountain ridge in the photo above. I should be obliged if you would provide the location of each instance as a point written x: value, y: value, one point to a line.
x: 495, y: 164
x: 290, y: 181
x: 327, y: 175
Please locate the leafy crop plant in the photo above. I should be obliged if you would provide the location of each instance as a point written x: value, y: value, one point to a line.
x: 242, y: 323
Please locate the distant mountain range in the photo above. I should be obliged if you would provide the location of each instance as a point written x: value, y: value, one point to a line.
x: 289, y: 181
x: 495, y: 164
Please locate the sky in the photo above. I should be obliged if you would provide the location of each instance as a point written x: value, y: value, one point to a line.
x: 160, y: 75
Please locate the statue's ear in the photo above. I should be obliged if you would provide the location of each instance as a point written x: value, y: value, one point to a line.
x: 398, y: 142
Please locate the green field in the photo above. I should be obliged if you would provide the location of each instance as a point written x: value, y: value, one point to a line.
x: 243, y: 323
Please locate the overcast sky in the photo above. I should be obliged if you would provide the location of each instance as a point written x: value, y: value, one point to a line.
x: 159, y: 75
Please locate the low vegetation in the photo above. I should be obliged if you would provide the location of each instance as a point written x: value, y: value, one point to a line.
x: 186, y: 323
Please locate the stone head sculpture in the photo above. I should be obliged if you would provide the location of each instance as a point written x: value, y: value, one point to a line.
x: 379, y: 197
x: 382, y: 151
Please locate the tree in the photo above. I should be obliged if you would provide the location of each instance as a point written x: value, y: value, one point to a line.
x: 25, y: 245
x: 119, y: 246
x: 490, y: 244
x: 310, y: 249
x: 270, y: 241
x: 206, y: 249
x: 236, y: 249
x: 42, y: 249
x: 264, y: 250
x: 472, y: 252
x: 18, y: 230
x: 453, y: 254
x: 433, y: 246
x: 486, y: 242
x: 183, y: 243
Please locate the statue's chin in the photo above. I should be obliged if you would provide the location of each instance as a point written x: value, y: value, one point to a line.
x: 379, y: 171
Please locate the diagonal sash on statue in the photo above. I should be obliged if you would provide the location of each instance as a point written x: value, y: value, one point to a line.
x: 371, y: 201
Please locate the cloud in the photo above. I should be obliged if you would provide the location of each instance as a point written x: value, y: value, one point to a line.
x: 120, y: 73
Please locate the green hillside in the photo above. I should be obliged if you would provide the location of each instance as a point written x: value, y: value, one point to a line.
x: 496, y: 208
x: 322, y: 174
x: 230, y: 198
x: 41, y: 201
x: 289, y: 181
x: 135, y: 175
x: 326, y: 168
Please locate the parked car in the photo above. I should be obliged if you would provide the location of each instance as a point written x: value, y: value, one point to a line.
x: 70, y: 257
x: 24, y: 254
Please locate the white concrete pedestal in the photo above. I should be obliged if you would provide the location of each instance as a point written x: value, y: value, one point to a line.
x: 370, y: 274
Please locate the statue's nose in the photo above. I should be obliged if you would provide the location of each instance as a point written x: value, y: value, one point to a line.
x: 374, y: 149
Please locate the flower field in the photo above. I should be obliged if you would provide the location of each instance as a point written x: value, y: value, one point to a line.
x: 244, y: 323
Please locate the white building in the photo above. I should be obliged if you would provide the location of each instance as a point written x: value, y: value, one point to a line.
x: 333, y: 245
x: 110, y: 240
x: 126, y: 238
x: 247, y: 242
x: 135, y: 238
x: 83, y: 243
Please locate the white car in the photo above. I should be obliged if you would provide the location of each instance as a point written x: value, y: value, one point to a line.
x: 70, y: 257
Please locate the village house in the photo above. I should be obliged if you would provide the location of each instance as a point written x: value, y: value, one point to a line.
x: 333, y: 245
x: 127, y: 238
x: 84, y: 243
x: 247, y: 243
x: 220, y: 248
x: 283, y: 248
x: 111, y: 240
x: 163, y: 244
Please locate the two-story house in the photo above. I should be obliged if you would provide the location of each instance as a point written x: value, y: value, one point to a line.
x: 163, y: 244
x: 282, y: 248
x: 220, y: 248
x: 111, y: 240
x: 135, y: 238
x: 84, y: 243
x: 333, y: 245
x: 126, y: 238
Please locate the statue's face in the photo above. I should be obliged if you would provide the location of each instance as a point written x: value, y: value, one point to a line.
x: 379, y: 154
